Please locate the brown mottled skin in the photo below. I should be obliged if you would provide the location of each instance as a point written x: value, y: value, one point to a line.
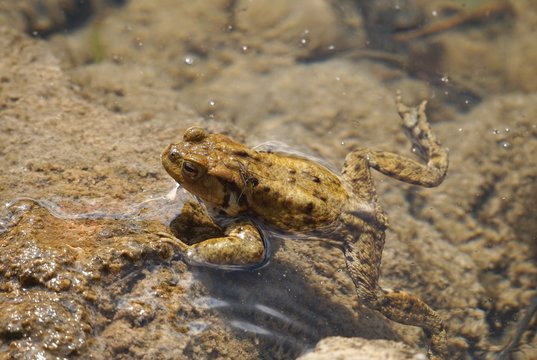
x: 297, y: 195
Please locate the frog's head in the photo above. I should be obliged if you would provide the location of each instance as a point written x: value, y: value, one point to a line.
x: 208, y: 166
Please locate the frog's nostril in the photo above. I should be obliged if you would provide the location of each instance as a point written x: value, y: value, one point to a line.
x: 173, y: 153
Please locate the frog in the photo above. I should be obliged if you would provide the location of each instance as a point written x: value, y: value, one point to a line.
x: 244, y: 188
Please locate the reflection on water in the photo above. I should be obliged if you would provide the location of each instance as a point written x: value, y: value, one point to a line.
x: 161, y: 208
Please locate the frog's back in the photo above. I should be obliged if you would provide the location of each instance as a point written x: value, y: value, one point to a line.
x: 294, y: 193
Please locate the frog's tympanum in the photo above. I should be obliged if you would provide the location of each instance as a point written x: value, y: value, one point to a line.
x: 296, y: 195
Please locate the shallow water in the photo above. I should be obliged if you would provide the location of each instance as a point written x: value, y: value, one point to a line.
x: 92, y: 95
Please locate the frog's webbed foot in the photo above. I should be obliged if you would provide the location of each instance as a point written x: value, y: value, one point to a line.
x: 424, y: 142
x: 408, y: 309
x: 241, y: 246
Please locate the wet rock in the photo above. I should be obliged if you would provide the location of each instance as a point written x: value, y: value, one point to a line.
x: 38, y: 324
x: 361, y: 349
x: 53, y: 276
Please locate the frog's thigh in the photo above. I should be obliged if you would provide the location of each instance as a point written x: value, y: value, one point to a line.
x: 242, y: 246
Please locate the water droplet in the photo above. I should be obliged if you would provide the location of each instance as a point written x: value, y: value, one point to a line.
x: 212, y: 102
x: 506, y: 145
x: 434, y: 13
x: 495, y: 131
x: 189, y: 60
x: 444, y: 78
x: 244, y: 48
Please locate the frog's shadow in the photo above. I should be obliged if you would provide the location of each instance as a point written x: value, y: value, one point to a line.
x: 284, y: 311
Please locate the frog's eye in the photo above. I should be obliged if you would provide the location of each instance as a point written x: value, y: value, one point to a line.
x: 191, y: 170
x: 194, y: 134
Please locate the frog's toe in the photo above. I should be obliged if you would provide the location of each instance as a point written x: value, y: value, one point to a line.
x: 173, y: 241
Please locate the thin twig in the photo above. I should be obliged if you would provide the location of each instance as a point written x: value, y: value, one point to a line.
x: 482, y: 11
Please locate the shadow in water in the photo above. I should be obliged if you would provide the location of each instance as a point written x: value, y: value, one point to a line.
x: 277, y: 307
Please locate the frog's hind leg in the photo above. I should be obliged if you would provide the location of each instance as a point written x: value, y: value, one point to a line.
x: 361, y: 257
x: 363, y: 252
x: 415, y: 125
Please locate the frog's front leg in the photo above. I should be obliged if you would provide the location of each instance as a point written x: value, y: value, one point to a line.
x: 241, y: 246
